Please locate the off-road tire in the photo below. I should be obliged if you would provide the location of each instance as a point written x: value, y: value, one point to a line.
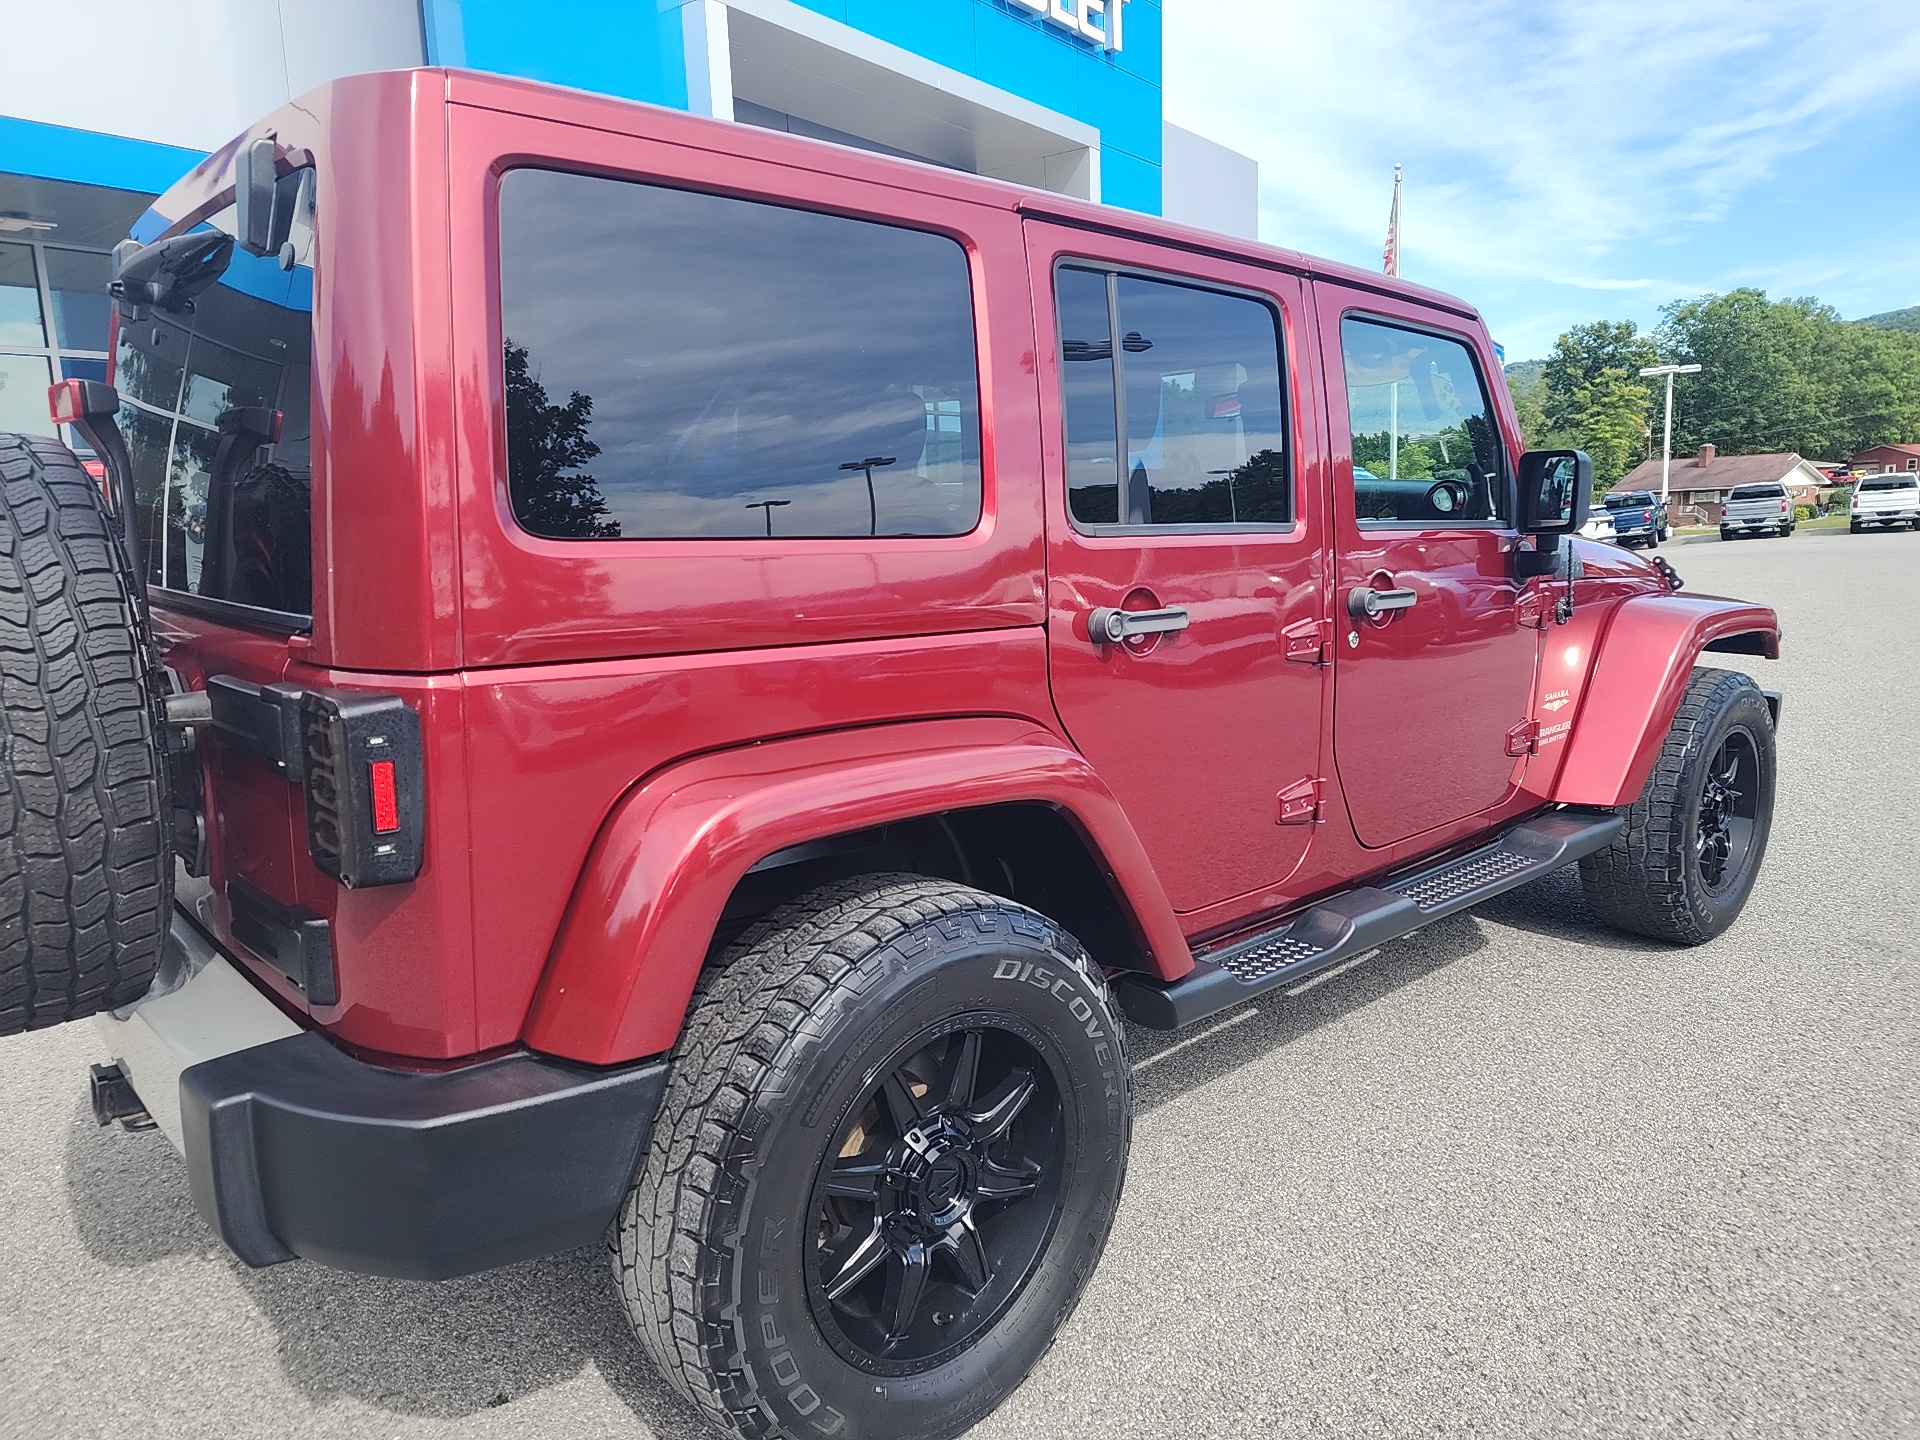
x: 1649, y: 881
x: 711, y: 1247
x: 86, y: 870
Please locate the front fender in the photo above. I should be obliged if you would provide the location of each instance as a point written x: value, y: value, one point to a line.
x: 643, y: 913
x: 1645, y: 657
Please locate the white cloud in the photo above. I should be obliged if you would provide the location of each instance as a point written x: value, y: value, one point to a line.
x: 1541, y: 141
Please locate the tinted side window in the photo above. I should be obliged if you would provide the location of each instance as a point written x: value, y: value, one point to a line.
x: 681, y: 365
x: 1199, y: 400
x: 226, y: 513
x: 1426, y: 446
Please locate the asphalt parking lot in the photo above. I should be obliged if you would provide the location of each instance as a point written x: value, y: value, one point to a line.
x: 1516, y: 1175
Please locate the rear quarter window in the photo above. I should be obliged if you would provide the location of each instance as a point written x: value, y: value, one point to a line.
x: 681, y: 365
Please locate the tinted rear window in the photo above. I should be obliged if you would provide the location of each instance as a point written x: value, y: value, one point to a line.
x: 690, y: 366
x: 222, y: 517
x: 1892, y: 482
x: 1757, y: 492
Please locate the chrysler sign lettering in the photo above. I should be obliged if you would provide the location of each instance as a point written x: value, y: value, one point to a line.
x: 1095, y: 20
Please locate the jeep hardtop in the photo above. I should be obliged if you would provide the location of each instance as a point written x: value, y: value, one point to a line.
x: 634, y: 676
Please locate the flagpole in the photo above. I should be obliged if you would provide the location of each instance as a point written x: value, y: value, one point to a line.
x: 1391, y: 257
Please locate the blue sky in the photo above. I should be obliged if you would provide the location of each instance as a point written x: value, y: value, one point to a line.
x: 1571, y: 162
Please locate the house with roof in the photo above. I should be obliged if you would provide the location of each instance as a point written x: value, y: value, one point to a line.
x: 1879, y: 459
x: 1699, y: 486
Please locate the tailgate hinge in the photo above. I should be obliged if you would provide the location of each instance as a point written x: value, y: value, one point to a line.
x: 1306, y: 642
x: 1524, y: 738
x: 1299, y: 803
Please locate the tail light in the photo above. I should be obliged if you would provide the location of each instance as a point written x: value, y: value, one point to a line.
x: 357, y: 757
x: 366, y: 808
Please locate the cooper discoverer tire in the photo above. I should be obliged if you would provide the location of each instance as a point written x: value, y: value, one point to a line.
x: 886, y: 1163
x: 86, y: 869
x: 1684, y: 867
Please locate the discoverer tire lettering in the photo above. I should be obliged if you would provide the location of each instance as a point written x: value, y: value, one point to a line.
x: 718, y: 1249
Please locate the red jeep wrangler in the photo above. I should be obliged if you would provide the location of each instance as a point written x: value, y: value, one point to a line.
x: 640, y: 677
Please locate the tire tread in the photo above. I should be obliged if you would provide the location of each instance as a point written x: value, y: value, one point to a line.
x: 85, y: 867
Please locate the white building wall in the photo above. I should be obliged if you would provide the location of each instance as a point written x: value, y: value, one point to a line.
x: 1204, y: 183
x: 192, y: 73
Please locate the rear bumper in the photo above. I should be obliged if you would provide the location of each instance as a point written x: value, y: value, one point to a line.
x: 294, y: 1148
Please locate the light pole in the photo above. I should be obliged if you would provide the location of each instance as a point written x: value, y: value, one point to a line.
x: 766, y: 507
x: 1666, y: 445
x: 867, y: 467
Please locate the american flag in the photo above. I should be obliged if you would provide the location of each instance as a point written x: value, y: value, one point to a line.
x: 1390, y: 257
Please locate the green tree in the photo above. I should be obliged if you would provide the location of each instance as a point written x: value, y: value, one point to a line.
x: 1878, y: 401
x: 1769, y: 378
x: 1607, y: 417
x: 1529, y: 407
x: 1579, y: 358
x: 546, y: 446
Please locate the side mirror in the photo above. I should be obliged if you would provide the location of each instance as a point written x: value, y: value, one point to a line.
x: 167, y: 274
x: 1556, y: 487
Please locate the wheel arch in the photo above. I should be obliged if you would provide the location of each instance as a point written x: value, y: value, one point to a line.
x: 695, y: 851
x: 1638, y: 677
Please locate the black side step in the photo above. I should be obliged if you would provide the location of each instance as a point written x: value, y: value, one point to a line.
x: 1352, y: 923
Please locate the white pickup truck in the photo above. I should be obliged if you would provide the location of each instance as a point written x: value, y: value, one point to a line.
x: 1763, y: 509
x: 1885, y: 500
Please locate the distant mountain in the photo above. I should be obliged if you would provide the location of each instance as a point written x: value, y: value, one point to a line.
x: 1907, y: 319
x: 1524, y: 375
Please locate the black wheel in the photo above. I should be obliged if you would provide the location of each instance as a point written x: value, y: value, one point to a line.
x: 886, y: 1163
x: 1697, y: 834
x: 86, y: 867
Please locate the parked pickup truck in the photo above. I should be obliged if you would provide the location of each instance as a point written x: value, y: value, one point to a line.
x: 1639, y: 517
x: 1885, y: 500
x: 1763, y: 509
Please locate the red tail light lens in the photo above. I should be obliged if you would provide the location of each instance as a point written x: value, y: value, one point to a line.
x: 386, y: 799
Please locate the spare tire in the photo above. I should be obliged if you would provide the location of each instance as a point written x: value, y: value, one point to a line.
x: 86, y: 864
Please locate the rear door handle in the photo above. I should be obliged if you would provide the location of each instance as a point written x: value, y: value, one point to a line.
x: 1364, y: 603
x: 1108, y: 626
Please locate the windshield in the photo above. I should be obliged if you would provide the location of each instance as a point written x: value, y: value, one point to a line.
x: 1756, y: 492
x: 224, y: 509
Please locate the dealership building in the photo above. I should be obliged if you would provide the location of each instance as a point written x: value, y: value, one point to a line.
x: 1064, y: 95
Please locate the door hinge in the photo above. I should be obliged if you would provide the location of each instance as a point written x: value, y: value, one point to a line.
x: 1306, y: 642
x: 1524, y: 738
x: 1534, y: 607
x: 1300, y: 802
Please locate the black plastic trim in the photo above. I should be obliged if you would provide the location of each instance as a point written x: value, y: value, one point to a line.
x: 296, y: 942
x: 262, y: 720
x: 1355, y: 921
x: 295, y: 1148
